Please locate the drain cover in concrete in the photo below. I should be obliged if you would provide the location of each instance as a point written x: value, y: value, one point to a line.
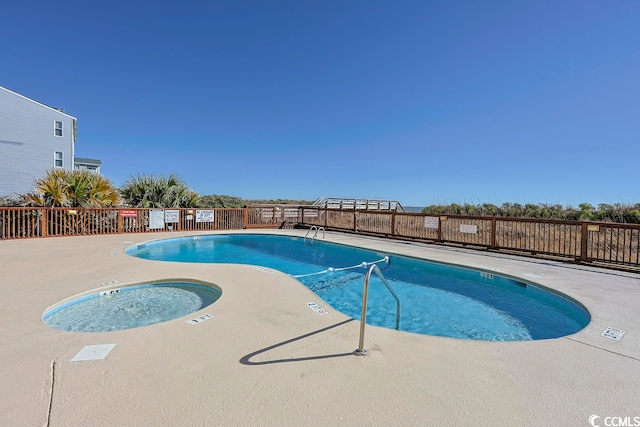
x: 93, y: 352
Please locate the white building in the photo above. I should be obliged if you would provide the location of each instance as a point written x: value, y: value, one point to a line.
x: 89, y: 164
x: 34, y: 138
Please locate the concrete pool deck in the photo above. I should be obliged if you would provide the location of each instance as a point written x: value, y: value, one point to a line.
x: 266, y: 359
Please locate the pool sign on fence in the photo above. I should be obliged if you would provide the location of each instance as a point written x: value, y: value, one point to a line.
x: 204, y: 215
x: 156, y: 218
x: 469, y: 228
x: 431, y: 222
x: 171, y: 216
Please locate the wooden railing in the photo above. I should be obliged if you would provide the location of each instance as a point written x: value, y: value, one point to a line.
x: 607, y: 244
x: 19, y: 223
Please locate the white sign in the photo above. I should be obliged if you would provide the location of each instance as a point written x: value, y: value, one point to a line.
x: 200, y: 319
x: 468, y: 228
x: 613, y: 333
x: 431, y: 222
x: 315, y: 307
x: 156, y: 218
x: 172, y: 216
x: 204, y: 216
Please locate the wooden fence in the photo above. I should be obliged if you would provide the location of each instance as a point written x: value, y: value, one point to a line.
x: 20, y: 223
x: 606, y: 244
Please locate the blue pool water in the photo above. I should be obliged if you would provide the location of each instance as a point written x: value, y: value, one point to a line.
x: 436, y: 299
x: 130, y: 307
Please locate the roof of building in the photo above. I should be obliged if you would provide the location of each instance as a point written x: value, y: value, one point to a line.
x: 59, y: 110
x: 87, y: 161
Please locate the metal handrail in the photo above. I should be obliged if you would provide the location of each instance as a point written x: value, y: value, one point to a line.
x: 316, y: 233
x: 313, y: 227
x: 313, y: 238
x: 360, y: 351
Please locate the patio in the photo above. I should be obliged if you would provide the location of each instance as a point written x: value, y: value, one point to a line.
x: 266, y: 359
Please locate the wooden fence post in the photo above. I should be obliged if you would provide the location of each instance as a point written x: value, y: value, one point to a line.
x: 44, y: 219
x: 393, y: 223
x: 583, y: 242
x: 120, y: 223
x: 494, y: 220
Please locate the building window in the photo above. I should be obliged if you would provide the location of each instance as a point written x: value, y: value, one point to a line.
x: 57, y: 159
x: 57, y: 128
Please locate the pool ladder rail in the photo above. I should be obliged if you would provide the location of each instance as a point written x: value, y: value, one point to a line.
x: 360, y: 351
x: 313, y: 238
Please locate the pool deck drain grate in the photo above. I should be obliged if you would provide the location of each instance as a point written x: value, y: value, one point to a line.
x: 93, y: 352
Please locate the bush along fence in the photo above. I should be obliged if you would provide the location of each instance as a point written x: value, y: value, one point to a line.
x: 606, y: 244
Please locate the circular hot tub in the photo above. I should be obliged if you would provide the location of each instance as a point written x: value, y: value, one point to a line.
x: 131, y: 306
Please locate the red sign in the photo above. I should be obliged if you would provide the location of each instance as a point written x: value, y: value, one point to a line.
x: 128, y: 213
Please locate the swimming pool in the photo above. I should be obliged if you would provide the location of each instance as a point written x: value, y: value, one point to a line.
x: 436, y: 299
x: 130, y: 307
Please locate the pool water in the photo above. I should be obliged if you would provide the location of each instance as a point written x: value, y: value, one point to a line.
x: 130, y: 307
x: 436, y: 299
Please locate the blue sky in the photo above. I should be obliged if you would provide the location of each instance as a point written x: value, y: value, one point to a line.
x: 418, y: 101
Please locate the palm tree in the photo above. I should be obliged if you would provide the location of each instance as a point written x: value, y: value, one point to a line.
x: 76, y: 188
x: 73, y: 189
x: 150, y: 191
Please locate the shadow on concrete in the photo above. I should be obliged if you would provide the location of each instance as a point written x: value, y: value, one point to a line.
x: 246, y: 360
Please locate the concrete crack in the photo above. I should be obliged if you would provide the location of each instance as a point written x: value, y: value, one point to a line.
x: 53, y: 376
